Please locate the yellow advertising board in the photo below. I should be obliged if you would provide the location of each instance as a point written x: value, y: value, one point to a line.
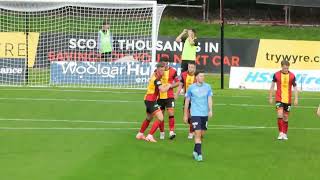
x: 13, y: 46
x: 300, y: 54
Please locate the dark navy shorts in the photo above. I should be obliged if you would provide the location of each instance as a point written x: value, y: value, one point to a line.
x: 199, y: 122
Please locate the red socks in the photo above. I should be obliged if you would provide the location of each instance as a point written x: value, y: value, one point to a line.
x: 161, y: 126
x: 282, y: 125
x: 154, y: 127
x: 285, y: 127
x: 144, y: 125
x: 171, y: 123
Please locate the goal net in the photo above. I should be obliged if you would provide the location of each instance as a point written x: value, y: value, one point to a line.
x: 98, y: 43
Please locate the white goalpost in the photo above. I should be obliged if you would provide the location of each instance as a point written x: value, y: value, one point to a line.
x: 78, y: 43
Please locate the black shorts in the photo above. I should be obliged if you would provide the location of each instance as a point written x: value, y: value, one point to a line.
x: 166, y: 103
x: 184, y: 65
x: 106, y: 57
x: 152, y: 107
x: 199, y: 122
x: 286, y: 107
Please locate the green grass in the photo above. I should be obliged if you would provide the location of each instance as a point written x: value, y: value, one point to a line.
x: 86, y: 147
x: 173, y: 27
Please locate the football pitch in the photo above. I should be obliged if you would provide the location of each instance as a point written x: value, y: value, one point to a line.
x: 81, y: 134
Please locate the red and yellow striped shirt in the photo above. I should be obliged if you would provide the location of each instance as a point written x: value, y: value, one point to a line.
x: 153, y: 88
x: 187, y: 80
x: 169, y: 76
x: 284, y: 86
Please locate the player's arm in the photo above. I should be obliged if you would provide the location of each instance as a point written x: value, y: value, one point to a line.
x: 193, y: 41
x: 175, y: 84
x: 181, y: 84
x: 178, y: 90
x: 176, y: 81
x: 186, y: 110
x: 271, y: 91
x: 186, y: 105
x: 295, y: 90
x: 179, y: 38
x: 160, y: 86
x: 164, y: 87
x: 210, y: 102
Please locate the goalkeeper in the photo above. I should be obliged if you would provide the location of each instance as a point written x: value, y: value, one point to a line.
x: 105, y: 42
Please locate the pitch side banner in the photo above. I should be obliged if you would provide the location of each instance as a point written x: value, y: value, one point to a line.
x: 130, y: 73
x: 83, y: 47
x: 12, y: 71
x: 301, y: 54
x: 45, y: 48
x: 259, y: 78
x: 264, y: 53
x: 13, y: 55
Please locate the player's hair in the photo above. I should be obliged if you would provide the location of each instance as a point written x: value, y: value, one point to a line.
x: 162, y: 59
x: 194, y: 31
x: 105, y: 22
x: 285, y: 63
x: 198, y: 72
x: 159, y: 65
x: 192, y: 62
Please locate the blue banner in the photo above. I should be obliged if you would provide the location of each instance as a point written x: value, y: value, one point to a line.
x: 113, y: 73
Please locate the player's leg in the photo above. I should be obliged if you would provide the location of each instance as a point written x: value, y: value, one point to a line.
x: 144, y: 126
x: 172, y: 134
x: 184, y: 66
x: 157, y: 113
x: 197, y: 126
x: 106, y: 56
x: 286, y: 111
x: 197, y: 144
x: 318, y: 111
x: 161, y: 126
x: 191, y: 130
x: 204, y: 127
x: 170, y: 109
x: 279, y: 108
x: 285, y: 125
x: 161, y: 103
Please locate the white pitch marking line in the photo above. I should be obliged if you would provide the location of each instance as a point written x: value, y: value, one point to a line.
x: 142, y: 91
x: 106, y: 129
x: 72, y: 100
x: 129, y: 101
x: 75, y: 90
x: 124, y: 122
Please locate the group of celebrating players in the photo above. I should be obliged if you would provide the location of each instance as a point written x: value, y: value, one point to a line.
x: 160, y: 97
